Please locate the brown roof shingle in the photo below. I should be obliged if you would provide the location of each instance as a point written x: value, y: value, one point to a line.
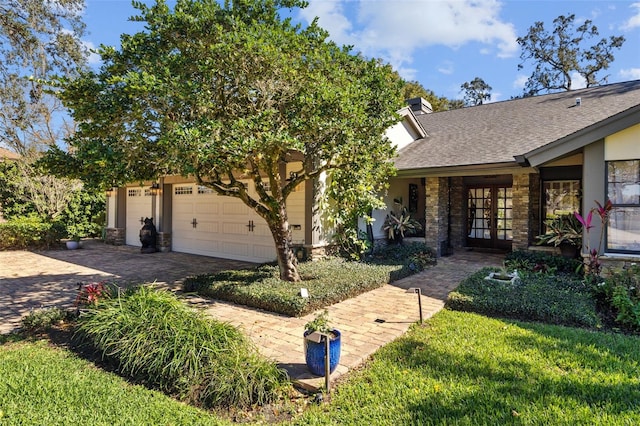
x: 496, y: 132
x: 6, y: 154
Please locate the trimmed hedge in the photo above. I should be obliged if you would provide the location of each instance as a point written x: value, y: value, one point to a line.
x: 329, y: 281
x: 154, y: 338
x: 29, y: 232
x: 555, y: 299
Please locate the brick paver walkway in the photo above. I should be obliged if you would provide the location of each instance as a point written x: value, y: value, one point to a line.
x: 368, y: 321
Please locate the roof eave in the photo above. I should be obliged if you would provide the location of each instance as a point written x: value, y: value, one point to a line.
x: 509, y: 167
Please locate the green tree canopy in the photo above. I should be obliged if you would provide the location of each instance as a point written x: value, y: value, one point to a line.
x: 476, y: 92
x: 38, y: 40
x: 557, y: 55
x: 228, y: 93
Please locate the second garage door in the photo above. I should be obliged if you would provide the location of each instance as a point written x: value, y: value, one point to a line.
x: 212, y: 225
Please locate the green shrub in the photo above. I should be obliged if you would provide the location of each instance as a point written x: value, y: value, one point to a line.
x: 154, y: 338
x: 621, y: 291
x: 329, y: 281
x: 532, y: 261
x: 555, y: 299
x: 29, y: 232
x: 413, y: 257
x: 44, y: 318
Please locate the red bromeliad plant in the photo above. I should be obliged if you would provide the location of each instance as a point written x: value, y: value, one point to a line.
x: 603, y: 211
x: 91, y: 293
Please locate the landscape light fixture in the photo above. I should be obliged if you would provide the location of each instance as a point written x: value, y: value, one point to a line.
x: 419, y: 293
x: 318, y: 337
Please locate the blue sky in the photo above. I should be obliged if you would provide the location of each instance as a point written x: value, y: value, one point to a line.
x: 440, y: 43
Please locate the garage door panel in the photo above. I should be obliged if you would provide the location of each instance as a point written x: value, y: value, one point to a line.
x: 209, y: 227
x: 221, y: 229
x: 183, y: 208
x: 206, y: 208
x: 138, y: 207
x: 235, y: 228
x: 234, y: 207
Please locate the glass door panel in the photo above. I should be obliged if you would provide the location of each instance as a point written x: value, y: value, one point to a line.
x: 490, y: 217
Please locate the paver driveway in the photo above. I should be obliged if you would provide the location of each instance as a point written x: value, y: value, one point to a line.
x: 30, y: 280
x: 33, y: 279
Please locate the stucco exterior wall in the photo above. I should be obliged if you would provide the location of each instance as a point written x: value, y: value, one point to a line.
x: 593, y: 184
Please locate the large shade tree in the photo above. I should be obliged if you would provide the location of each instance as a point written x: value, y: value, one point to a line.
x: 228, y: 93
x: 565, y: 51
x: 38, y: 40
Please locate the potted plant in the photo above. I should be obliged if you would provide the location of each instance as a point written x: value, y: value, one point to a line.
x: 315, y: 351
x: 565, y: 232
x: 74, y: 233
x: 397, y: 225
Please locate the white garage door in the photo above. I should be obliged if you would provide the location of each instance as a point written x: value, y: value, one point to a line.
x: 212, y: 225
x: 138, y: 207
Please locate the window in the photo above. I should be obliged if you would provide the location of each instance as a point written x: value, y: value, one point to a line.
x: 204, y: 190
x: 623, y: 189
x: 182, y: 190
x: 134, y: 192
x: 561, y: 197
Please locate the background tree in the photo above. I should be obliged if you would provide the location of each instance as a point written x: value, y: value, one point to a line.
x: 228, y: 93
x: 38, y: 40
x: 414, y: 89
x: 557, y: 55
x: 476, y: 92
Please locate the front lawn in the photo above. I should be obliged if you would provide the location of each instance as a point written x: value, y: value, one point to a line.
x: 43, y: 385
x: 464, y: 368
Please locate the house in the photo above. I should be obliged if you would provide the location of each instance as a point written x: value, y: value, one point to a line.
x: 194, y: 219
x: 5, y: 155
x: 488, y: 176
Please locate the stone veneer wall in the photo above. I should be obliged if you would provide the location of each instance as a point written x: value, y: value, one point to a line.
x: 115, y: 236
x: 458, y: 213
x: 163, y: 241
x: 436, y: 213
x: 526, y: 207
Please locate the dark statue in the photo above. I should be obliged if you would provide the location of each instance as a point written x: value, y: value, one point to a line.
x: 148, y: 236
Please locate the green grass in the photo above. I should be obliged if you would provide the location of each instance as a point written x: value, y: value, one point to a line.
x: 467, y: 369
x: 42, y: 385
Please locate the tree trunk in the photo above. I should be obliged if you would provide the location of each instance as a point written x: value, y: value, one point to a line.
x: 287, y: 262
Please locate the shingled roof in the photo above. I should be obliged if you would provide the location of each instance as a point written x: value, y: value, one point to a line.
x: 6, y: 154
x: 498, y: 132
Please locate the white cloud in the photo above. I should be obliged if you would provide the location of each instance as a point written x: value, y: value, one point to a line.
x: 94, y: 58
x: 577, y: 81
x: 633, y: 21
x: 520, y: 82
x: 630, y: 74
x: 446, y: 68
x: 394, y: 30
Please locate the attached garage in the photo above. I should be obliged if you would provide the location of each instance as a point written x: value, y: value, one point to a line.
x: 212, y: 225
x: 139, y: 206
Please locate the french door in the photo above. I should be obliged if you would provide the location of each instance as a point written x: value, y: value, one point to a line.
x: 489, y: 216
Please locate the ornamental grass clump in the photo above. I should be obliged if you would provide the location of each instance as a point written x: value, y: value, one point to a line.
x: 154, y: 338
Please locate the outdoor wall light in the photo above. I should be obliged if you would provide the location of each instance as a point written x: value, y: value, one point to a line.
x: 155, y: 188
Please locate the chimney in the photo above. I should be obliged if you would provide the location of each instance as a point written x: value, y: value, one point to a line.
x: 419, y: 106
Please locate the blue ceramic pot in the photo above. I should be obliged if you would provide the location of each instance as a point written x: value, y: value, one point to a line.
x: 314, y: 354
